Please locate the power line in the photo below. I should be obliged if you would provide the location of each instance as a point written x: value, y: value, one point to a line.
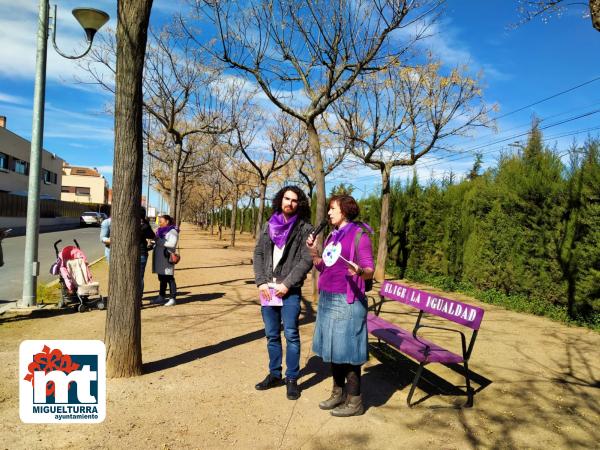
x: 429, y: 164
x: 487, y: 144
x: 510, y: 138
x: 549, y: 138
x: 546, y: 99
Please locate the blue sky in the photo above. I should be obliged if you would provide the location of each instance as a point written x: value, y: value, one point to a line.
x: 520, y: 66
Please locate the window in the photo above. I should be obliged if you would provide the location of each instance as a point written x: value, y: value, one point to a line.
x: 48, y: 177
x: 21, y: 167
x: 82, y: 191
x: 3, y: 161
x: 68, y: 189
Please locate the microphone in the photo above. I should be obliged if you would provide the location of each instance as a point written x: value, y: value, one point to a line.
x: 320, y: 228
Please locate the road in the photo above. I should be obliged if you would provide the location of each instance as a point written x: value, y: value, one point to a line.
x: 11, y: 274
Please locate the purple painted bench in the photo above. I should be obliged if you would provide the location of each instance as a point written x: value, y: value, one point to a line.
x: 418, y: 348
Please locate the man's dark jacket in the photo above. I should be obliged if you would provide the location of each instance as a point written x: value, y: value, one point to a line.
x: 295, y: 262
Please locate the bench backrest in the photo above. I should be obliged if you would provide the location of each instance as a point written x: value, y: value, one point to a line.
x: 461, y: 313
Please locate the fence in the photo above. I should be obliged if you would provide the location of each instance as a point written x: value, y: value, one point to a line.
x: 16, y: 206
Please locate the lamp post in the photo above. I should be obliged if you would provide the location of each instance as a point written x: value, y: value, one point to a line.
x: 91, y: 20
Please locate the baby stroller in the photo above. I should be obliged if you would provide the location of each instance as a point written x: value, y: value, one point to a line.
x: 76, y: 283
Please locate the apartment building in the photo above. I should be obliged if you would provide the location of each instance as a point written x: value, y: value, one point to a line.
x: 14, y: 166
x: 83, y: 185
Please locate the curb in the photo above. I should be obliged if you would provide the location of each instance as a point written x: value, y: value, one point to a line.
x: 12, y: 306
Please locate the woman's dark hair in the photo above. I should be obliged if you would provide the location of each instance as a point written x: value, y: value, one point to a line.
x: 303, y: 210
x: 168, y: 218
x: 348, y: 206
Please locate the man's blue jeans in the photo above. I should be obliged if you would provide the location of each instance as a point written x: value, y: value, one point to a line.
x: 272, y: 317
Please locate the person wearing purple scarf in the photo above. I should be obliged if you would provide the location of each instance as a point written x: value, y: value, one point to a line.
x: 167, y: 237
x: 281, y: 263
x: 340, y: 336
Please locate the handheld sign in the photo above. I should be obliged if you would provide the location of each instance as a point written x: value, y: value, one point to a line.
x: 274, y: 301
x: 332, y: 253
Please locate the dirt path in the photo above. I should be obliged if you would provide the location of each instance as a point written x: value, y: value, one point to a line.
x: 204, y: 356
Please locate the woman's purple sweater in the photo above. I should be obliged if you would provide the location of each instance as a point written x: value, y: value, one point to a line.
x: 337, y: 279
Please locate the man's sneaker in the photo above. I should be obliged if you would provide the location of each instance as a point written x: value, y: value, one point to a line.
x: 171, y: 302
x: 158, y: 300
x: 269, y: 382
x: 293, y: 391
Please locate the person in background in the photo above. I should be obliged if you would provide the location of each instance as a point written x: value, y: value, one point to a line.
x: 105, y: 237
x: 340, y: 336
x: 282, y: 260
x: 146, y: 234
x: 3, y: 233
x: 167, y: 237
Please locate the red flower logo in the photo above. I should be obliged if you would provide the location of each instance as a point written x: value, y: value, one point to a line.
x: 47, y: 361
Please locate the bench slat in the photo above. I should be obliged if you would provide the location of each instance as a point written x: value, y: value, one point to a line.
x: 418, y: 348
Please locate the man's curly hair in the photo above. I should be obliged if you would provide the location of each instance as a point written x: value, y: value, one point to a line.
x: 303, y: 210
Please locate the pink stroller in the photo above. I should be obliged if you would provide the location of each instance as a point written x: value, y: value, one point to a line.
x: 76, y: 282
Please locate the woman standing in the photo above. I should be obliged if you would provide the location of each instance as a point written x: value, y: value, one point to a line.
x: 341, y: 330
x: 167, y: 236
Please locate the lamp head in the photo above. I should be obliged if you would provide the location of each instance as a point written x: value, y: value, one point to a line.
x: 91, y: 20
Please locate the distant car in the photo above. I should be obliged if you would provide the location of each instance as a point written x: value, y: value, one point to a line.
x: 91, y: 218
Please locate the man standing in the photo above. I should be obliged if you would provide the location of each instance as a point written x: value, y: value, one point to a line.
x: 3, y: 233
x: 282, y: 260
x: 105, y: 237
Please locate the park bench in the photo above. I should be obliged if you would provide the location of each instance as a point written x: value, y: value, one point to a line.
x: 415, y: 346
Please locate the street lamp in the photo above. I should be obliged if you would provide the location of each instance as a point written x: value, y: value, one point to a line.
x: 91, y: 20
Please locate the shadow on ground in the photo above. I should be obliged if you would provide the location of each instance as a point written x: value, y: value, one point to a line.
x: 397, y: 372
x: 307, y: 316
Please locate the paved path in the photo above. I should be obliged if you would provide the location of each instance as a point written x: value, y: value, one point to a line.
x: 11, y: 274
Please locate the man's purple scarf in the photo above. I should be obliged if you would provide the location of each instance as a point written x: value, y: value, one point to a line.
x: 162, y: 231
x: 279, y: 229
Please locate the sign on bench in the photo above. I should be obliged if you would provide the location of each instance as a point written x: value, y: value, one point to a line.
x: 418, y: 348
x: 462, y: 313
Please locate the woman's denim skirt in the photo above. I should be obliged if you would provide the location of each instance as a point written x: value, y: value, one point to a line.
x: 341, y: 330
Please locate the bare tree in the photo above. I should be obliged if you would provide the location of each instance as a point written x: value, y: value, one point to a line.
x: 335, y: 152
x: 395, y: 117
x: 531, y: 9
x: 183, y: 92
x: 123, y: 322
x: 305, y: 55
x: 238, y: 177
x: 286, y: 141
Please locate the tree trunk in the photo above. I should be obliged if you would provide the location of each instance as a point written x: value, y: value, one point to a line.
x: 178, y: 204
x: 123, y: 322
x: 261, y: 208
x: 315, y: 149
x: 220, y: 222
x: 385, y: 220
x: 253, y: 217
x: 212, y: 216
x: 175, y: 182
x: 234, y: 217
